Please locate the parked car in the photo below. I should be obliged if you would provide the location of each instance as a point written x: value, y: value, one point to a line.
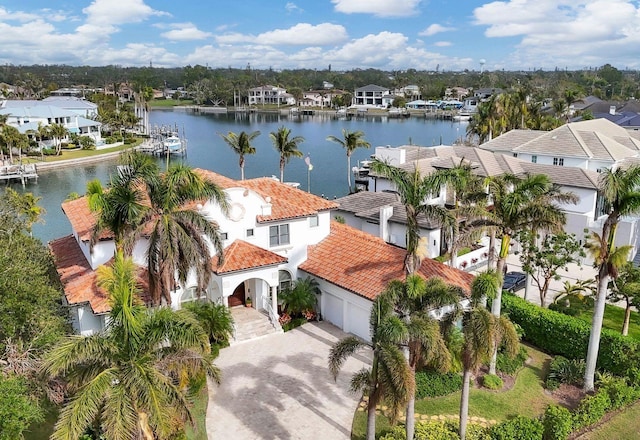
x: 514, y: 281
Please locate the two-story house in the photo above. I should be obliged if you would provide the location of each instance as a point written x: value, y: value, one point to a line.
x: 273, y: 234
x: 270, y: 95
x: 370, y: 95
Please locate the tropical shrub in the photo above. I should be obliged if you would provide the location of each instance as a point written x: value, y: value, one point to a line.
x: 563, y: 370
x: 434, y: 384
x: 293, y: 323
x: 559, y: 334
x: 619, y: 392
x: 492, y: 381
x: 509, y: 365
x: 558, y: 423
x: 17, y: 409
x: 215, y: 319
x: 591, y: 409
x: 438, y: 431
x: 518, y: 428
x: 301, y: 297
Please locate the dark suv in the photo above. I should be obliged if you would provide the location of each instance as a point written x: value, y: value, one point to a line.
x: 514, y: 281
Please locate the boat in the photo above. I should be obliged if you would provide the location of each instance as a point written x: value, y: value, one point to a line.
x: 172, y: 144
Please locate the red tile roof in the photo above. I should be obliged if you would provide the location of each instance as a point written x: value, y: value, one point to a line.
x: 79, y: 280
x: 286, y: 203
x: 241, y: 255
x: 364, y: 264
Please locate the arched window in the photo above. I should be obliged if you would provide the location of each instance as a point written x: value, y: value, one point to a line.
x: 284, y: 280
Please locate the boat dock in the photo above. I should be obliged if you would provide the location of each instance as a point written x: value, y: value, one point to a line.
x: 23, y: 173
x: 164, y: 140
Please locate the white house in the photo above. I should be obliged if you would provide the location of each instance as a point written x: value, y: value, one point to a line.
x: 270, y: 95
x: 273, y: 234
x: 370, y: 95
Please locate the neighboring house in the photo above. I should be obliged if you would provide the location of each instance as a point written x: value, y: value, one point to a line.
x: 371, y: 95
x: 270, y: 95
x: 27, y: 118
x: 592, y: 145
x: 319, y: 98
x: 82, y: 107
x: 458, y: 93
x: 485, y: 93
x: 273, y: 234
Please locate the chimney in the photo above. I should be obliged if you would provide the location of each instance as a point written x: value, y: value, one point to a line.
x: 385, y: 214
x: 266, y: 208
x: 612, y: 109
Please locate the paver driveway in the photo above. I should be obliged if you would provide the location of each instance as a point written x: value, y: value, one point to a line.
x: 279, y: 387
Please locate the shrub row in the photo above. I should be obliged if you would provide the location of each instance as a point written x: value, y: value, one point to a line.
x: 560, y: 334
x: 432, y: 384
x: 510, y: 365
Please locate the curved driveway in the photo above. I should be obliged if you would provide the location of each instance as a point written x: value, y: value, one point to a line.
x: 279, y: 387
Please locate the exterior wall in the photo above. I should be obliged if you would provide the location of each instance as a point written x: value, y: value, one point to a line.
x: 85, y: 322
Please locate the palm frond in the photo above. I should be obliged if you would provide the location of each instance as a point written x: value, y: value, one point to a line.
x: 339, y: 353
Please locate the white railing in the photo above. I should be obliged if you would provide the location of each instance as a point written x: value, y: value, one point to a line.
x: 273, y: 316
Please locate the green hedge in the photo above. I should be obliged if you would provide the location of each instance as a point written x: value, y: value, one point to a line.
x: 518, y: 428
x: 432, y: 384
x: 511, y: 365
x: 560, y: 334
x: 439, y: 431
x: 558, y: 423
x: 591, y: 409
x: 492, y: 382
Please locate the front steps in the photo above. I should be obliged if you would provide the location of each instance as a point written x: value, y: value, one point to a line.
x: 250, y: 324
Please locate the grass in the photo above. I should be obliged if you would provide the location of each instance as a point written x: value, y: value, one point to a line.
x: 199, y: 411
x: 80, y: 154
x: 44, y: 429
x: 622, y: 425
x: 613, y: 319
x: 527, y: 398
x: 163, y: 103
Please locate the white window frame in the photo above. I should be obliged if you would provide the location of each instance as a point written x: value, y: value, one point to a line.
x: 314, y: 221
x: 283, y: 238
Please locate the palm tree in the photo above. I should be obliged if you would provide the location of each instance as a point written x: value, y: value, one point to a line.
x: 215, y: 319
x: 521, y: 204
x: 627, y: 287
x: 483, y: 334
x: 58, y: 132
x: 389, y: 377
x: 413, y: 299
x: 350, y: 141
x: 11, y: 137
x: 620, y: 189
x: 286, y: 147
x: 241, y: 145
x: 132, y: 377
x: 414, y: 191
x: 302, y: 296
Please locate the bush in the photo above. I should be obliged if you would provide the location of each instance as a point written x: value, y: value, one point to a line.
x: 563, y: 335
x: 49, y: 151
x: 432, y: 384
x: 563, y: 370
x: 509, y: 365
x: 519, y: 428
x: 492, y: 382
x: 295, y: 322
x: 424, y: 431
x: 619, y: 392
x: 558, y: 423
x: 591, y: 409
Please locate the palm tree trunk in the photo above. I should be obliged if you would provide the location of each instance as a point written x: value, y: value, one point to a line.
x: 371, y: 419
x: 625, y: 324
x: 492, y: 249
x: 281, y: 170
x: 349, y: 171
x: 464, y: 403
x: 596, y: 329
x: 410, y: 423
x: 496, y: 305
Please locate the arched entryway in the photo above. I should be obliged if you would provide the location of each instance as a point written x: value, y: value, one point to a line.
x: 238, y: 296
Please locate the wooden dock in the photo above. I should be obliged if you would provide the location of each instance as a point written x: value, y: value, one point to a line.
x: 23, y: 173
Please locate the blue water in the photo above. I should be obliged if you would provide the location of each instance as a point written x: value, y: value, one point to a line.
x: 207, y: 150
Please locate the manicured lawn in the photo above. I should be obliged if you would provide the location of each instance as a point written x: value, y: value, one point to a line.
x: 199, y: 411
x: 527, y: 398
x: 613, y: 319
x: 79, y: 154
x: 623, y: 425
x: 169, y: 102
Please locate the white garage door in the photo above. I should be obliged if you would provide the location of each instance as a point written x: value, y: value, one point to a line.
x: 332, y: 309
x: 358, y: 321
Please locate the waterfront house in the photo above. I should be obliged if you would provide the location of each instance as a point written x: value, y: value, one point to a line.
x: 273, y: 234
x: 370, y: 96
x: 270, y: 95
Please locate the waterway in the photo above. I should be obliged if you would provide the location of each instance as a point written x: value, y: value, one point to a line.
x: 207, y: 150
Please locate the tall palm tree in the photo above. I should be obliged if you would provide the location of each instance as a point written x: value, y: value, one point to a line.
x: 389, y: 377
x: 521, y: 204
x: 131, y: 377
x: 241, y: 145
x: 620, y: 189
x: 413, y: 299
x: 350, y: 141
x: 285, y: 146
x: 10, y: 137
x: 58, y: 132
x: 414, y: 191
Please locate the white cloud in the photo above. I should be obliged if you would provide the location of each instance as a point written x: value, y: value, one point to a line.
x: 435, y: 28
x: 302, y: 34
x: 185, y: 32
x: 443, y: 43
x: 292, y: 7
x: 104, y: 12
x: 380, y: 8
x: 563, y: 32
x: 6, y: 15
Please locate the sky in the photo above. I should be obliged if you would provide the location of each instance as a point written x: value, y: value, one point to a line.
x: 346, y: 34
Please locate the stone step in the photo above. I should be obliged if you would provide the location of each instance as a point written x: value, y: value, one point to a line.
x: 250, y: 323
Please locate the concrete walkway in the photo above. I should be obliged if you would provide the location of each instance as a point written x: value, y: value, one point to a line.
x: 279, y: 387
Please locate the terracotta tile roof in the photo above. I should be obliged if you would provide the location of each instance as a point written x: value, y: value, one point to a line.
x: 79, y: 280
x: 286, y: 201
x: 241, y: 255
x: 364, y: 264
x: 81, y: 218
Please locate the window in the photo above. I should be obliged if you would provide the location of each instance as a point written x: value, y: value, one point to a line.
x: 224, y: 236
x: 249, y: 232
x: 515, y: 154
x: 558, y: 161
x: 313, y: 221
x: 284, y: 280
x: 534, y: 159
x: 278, y: 235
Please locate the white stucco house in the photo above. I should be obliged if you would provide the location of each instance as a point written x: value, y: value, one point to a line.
x: 370, y: 96
x: 273, y: 234
x: 270, y: 95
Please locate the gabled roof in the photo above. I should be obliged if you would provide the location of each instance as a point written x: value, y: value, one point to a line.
x: 38, y: 111
x: 81, y: 218
x: 79, y: 280
x: 372, y: 88
x: 364, y: 264
x: 241, y: 255
x: 565, y: 176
